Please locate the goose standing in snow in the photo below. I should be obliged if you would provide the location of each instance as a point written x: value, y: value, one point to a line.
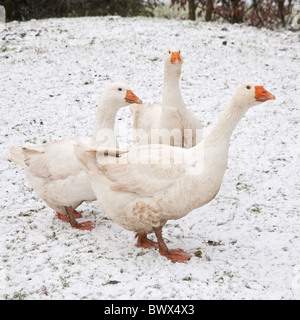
x: 169, y: 122
x: 144, y: 187
x: 53, y: 170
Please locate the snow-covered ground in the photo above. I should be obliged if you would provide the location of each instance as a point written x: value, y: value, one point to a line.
x: 246, y: 240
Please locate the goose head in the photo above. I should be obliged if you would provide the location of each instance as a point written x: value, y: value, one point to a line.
x: 119, y: 95
x: 173, y: 57
x: 251, y: 94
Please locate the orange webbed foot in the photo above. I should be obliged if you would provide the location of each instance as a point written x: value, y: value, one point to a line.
x: 87, y: 225
x: 76, y: 214
x: 144, y: 242
x: 64, y: 217
x: 71, y: 216
x: 176, y: 255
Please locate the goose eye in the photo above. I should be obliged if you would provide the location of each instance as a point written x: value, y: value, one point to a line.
x: 248, y: 87
x: 120, y: 89
x: 169, y: 52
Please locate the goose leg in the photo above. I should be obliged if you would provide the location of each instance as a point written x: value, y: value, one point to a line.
x: 88, y: 225
x: 144, y: 242
x: 177, y: 255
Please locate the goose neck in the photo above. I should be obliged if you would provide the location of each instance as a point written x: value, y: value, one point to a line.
x: 105, y: 117
x: 171, y: 90
x: 227, y: 123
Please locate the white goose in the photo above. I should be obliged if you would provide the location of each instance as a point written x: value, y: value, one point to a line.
x: 175, y: 124
x: 145, y: 186
x: 53, y: 170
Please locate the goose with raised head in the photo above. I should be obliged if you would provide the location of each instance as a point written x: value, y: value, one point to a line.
x: 169, y: 122
x: 53, y: 170
x: 144, y: 187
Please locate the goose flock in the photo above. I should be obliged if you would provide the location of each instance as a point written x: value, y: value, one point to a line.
x: 168, y: 172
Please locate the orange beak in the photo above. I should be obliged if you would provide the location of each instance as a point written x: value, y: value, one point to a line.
x: 175, y: 58
x: 132, y: 98
x: 261, y: 94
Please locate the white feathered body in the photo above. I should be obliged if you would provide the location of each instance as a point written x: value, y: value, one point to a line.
x: 54, y: 172
x: 181, y: 129
x: 141, y: 196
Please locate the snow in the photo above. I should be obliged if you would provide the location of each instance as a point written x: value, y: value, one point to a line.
x: 247, y: 238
